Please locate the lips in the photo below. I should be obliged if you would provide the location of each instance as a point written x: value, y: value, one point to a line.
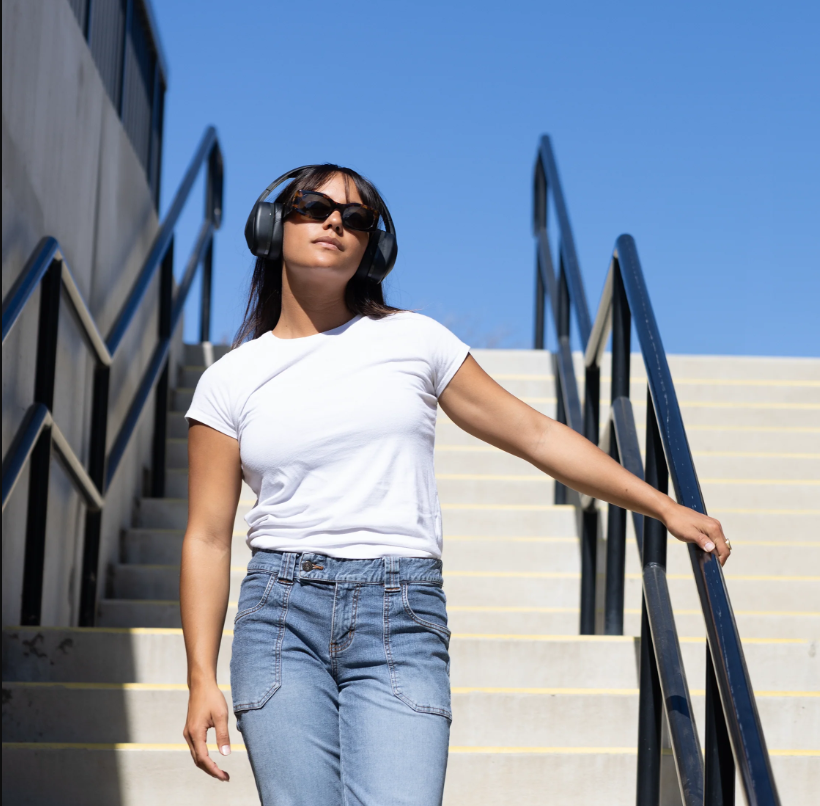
x: 331, y: 241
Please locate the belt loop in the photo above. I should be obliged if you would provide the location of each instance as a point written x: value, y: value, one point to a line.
x: 391, y: 569
x: 287, y: 567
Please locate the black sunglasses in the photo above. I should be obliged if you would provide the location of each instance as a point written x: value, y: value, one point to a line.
x: 318, y: 206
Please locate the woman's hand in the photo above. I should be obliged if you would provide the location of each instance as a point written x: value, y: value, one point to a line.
x: 693, y: 527
x: 207, y: 709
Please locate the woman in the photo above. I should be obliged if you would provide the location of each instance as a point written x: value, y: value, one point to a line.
x: 340, y: 666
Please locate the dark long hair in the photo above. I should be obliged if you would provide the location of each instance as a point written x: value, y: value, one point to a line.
x: 362, y: 296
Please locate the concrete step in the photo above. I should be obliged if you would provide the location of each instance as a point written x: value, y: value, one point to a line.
x: 531, y: 488
x: 683, y: 367
x: 465, y: 553
x: 507, y: 620
x: 717, y: 389
x: 132, y: 775
x: 695, y: 413
x: 557, y: 589
x: 553, y: 717
x: 153, y: 613
x: 541, y: 519
x: 487, y: 460
x: 485, y: 776
x: 43, y: 774
x: 565, y: 621
x: 563, y: 554
x: 195, y: 354
x: 525, y: 586
x: 788, y: 439
x: 711, y: 437
x: 101, y: 655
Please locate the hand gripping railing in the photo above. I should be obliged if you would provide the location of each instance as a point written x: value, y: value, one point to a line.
x: 733, y: 730
x: 48, y: 269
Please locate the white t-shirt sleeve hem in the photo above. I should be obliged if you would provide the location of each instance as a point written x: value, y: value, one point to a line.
x: 212, y: 422
x: 451, y: 370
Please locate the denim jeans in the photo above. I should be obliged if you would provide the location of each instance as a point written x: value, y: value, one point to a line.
x: 340, y: 676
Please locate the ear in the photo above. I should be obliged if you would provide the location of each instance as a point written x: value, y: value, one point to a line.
x: 263, y: 230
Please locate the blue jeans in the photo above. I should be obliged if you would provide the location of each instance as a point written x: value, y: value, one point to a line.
x: 340, y: 676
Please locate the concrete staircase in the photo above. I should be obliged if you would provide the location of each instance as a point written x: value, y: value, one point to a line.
x: 542, y: 715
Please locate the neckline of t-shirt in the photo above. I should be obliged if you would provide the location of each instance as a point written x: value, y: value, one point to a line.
x: 302, y: 339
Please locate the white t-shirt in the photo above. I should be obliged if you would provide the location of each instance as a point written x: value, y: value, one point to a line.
x: 336, y: 434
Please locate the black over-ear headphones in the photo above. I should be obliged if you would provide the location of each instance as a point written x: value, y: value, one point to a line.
x: 264, y: 233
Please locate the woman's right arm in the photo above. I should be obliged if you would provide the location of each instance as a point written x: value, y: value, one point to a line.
x: 214, y: 482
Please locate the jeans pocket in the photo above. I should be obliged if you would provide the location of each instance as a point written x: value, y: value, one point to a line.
x: 417, y: 643
x: 256, y: 654
x: 254, y: 592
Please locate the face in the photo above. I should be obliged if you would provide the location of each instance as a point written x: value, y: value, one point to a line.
x: 324, y: 250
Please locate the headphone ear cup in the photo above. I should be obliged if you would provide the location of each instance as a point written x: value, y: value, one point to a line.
x: 379, y: 257
x: 264, y: 231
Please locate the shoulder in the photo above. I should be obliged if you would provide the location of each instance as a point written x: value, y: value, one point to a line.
x: 417, y: 323
x: 234, y: 364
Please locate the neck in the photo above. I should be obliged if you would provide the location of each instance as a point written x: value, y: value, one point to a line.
x: 308, y: 311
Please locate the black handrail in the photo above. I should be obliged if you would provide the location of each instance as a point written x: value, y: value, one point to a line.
x: 48, y: 269
x: 733, y: 729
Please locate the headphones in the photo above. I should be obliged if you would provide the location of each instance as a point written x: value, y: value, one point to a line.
x: 264, y: 233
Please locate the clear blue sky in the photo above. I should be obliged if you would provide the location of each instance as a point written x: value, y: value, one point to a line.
x: 695, y: 127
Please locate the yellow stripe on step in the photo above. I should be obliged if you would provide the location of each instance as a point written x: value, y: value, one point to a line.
x: 575, y: 575
x: 240, y: 748
x: 119, y: 746
x: 543, y: 477
x: 554, y: 750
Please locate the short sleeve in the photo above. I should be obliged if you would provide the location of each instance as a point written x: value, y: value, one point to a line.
x: 212, y: 402
x: 447, y: 354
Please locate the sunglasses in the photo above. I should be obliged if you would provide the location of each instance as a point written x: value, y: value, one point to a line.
x: 318, y: 206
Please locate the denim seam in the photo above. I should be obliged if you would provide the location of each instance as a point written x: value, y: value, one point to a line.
x: 334, y: 647
x: 248, y: 610
x: 418, y: 619
x: 391, y: 666
x: 277, y: 681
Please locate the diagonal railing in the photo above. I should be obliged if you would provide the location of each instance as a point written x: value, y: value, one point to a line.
x: 733, y: 735
x: 38, y: 435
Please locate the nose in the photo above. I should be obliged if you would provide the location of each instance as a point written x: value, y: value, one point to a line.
x: 334, y: 222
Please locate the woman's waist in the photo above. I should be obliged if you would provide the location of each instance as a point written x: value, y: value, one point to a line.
x: 313, y: 566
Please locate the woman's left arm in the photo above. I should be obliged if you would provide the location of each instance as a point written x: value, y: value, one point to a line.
x: 476, y: 403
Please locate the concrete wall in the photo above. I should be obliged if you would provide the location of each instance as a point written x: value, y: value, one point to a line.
x: 69, y: 171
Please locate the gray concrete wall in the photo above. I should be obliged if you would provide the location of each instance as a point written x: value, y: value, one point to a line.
x: 69, y: 171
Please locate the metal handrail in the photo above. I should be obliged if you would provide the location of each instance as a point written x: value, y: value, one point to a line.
x: 733, y: 729
x: 48, y: 270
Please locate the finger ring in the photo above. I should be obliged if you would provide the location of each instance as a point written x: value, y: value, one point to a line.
x: 728, y: 544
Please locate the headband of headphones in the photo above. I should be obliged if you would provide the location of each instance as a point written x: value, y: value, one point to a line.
x: 264, y: 233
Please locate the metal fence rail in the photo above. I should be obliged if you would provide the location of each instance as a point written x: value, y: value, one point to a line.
x: 733, y: 731
x: 38, y: 434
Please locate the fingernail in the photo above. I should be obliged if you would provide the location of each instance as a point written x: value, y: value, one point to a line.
x: 709, y: 546
x: 225, y: 749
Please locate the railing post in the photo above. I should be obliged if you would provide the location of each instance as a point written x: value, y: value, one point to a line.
x: 213, y: 212
x: 166, y: 290
x: 589, y: 518
x: 205, y: 309
x: 562, y: 326
x: 719, y: 773
x: 35, y: 551
x: 93, y: 520
x: 616, y: 518
x: 650, y: 713
x: 539, y: 220
x: 540, y: 299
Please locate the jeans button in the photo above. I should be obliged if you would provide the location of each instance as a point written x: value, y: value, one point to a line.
x: 307, y: 565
